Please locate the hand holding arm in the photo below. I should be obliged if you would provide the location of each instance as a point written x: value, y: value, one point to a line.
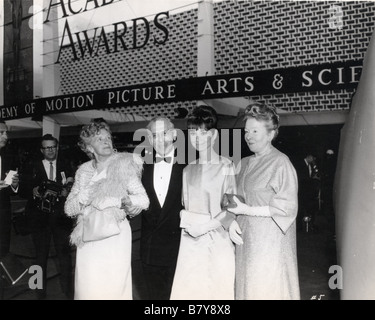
x: 136, y: 200
x: 133, y: 211
x: 243, y: 209
x: 78, y: 195
x: 127, y: 206
x: 235, y: 232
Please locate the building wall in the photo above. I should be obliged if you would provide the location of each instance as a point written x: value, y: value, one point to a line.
x: 175, y: 59
x: 261, y: 35
x: 249, y: 36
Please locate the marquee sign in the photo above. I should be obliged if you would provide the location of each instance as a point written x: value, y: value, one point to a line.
x: 322, y: 77
x: 124, y: 39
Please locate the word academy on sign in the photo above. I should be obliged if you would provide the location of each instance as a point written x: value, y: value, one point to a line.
x: 343, y: 75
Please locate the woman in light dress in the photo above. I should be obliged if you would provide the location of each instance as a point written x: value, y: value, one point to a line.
x: 110, y: 185
x: 266, y: 263
x: 205, y: 266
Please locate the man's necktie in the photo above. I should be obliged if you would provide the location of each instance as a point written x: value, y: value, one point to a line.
x: 310, y: 170
x: 166, y: 159
x: 51, y: 171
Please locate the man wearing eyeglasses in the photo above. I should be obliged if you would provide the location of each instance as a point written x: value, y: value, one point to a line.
x: 45, y: 209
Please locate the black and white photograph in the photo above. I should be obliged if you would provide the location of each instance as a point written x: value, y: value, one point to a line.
x: 187, y: 154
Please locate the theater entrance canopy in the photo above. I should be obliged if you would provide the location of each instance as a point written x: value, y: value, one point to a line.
x: 303, y: 57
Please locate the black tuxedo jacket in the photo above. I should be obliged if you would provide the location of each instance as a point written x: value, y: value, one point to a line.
x: 160, y: 230
x: 307, y: 187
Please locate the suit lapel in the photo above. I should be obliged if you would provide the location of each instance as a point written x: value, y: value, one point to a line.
x: 175, y: 176
x: 149, y: 183
x: 42, y: 171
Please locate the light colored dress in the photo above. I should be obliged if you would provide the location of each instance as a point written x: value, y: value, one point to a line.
x: 266, y: 264
x: 206, y: 264
x: 103, y: 268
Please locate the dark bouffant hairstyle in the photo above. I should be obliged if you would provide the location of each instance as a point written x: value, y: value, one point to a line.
x: 203, y: 116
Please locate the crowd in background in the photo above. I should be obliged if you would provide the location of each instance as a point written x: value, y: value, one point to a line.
x: 167, y: 278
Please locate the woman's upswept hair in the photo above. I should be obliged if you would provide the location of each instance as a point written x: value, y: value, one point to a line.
x: 88, y: 132
x: 202, y: 115
x: 263, y: 112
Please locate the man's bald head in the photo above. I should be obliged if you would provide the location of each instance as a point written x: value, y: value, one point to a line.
x: 161, y: 135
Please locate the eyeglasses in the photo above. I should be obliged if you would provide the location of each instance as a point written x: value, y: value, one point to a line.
x: 49, y: 148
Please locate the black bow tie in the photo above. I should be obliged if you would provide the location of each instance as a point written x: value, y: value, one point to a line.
x: 160, y: 159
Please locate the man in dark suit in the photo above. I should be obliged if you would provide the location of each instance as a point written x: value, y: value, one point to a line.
x: 308, y: 191
x: 160, y: 230
x: 6, y: 191
x: 45, y: 211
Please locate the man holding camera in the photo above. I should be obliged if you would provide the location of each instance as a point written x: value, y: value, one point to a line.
x: 50, y: 185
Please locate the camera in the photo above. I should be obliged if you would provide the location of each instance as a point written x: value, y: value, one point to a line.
x: 50, y: 192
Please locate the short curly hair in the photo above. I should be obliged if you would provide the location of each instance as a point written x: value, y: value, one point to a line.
x: 263, y: 112
x: 88, y: 132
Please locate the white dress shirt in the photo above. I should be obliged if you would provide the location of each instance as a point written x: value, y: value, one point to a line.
x: 309, y: 167
x: 162, y: 176
x: 46, y: 164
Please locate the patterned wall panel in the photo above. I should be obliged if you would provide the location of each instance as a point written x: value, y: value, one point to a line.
x: 261, y: 35
x: 249, y: 36
x: 177, y: 58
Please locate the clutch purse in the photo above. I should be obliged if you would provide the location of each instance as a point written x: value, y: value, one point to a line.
x: 99, y: 225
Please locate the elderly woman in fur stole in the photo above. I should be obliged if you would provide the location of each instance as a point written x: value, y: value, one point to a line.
x: 106, y: 190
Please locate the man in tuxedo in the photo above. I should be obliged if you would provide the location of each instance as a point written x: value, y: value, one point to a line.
x: 6, y: 191
x: 45, y: 210
x: 308, y: 190
x: 160, y: 230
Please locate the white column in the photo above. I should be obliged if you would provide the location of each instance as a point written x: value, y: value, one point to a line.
x: 36, y: 23
x: 206, y: 59
x: 51, y: 69
x: 206, y: 54
x: 46, y: 71
x: 51, y: 126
